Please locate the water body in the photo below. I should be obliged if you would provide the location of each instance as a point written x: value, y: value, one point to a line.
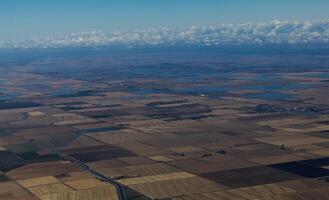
x: 95, y: 130
x: 273, y: 96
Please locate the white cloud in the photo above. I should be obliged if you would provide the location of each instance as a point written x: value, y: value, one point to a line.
x: 275, y: 32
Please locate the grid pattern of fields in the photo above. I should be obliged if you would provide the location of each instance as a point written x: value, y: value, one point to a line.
x: 180, y: 144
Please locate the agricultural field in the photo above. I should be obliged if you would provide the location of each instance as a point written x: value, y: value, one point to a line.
x: 113, y: 126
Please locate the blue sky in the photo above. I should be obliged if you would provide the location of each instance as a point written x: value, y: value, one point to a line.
x: 21, y: 19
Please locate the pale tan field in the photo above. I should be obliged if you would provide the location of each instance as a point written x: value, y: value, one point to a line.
x: 38, y: 181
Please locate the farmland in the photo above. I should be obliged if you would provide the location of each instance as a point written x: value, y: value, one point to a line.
x: 164, y: 125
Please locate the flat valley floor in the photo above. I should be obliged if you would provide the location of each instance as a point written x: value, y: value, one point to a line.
x: 175, y: 125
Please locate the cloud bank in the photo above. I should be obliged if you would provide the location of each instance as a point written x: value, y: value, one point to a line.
x: 275, y: 32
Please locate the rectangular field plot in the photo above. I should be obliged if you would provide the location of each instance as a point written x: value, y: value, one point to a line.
x: 250, y: 176
x: 102, y: 193
x: 176, y: 187
x: 86, y: 184
x: 49, y: 189
x: 38, y: 181
x: 102, y: 155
